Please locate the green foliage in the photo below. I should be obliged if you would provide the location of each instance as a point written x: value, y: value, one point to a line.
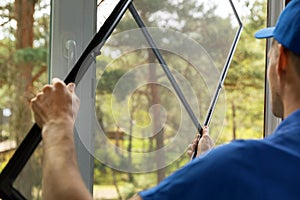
x: 31, y: 55
x: 245, y: 80
x: 23, y: 70
x: 108, y: 81
x: 128, y: 190
x: 102, y: 174
x: 244, y: 83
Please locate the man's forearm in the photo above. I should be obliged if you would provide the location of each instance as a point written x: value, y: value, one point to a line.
x: 61, y: 178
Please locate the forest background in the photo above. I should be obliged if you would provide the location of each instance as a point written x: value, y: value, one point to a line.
x: 24, y: 51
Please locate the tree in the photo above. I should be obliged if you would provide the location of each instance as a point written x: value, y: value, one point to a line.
x: 185, y: 18
x: 214, y: 32
x: 24, y: 67
x: 245, y: 80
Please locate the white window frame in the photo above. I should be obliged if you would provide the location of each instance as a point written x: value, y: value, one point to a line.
x: 73, y: 24
x: 270, y: 121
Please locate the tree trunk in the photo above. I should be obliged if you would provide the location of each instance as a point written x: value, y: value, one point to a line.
x: 159, y: 137
x: 233, y: 108
x: 129, y: 148
x: 115, y: 182
x: 24, y: 10
x: 1, y: 124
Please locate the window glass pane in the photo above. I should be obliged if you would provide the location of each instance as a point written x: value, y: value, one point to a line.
x: 24, y: 32
x: 142, y: 125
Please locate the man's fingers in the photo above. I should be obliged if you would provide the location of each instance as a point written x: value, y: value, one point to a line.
x: 190, y: 150
x: 38, y: 112
x: 189, y: 153
x: 37, y: 98
x: 205, y: 130
x: 33, y: 100
x: 196, y: 140
x: 205, y: 142
x: 58, y: 84
x: 56, y: 80
x: 71, y: 87
x: 47, y: 89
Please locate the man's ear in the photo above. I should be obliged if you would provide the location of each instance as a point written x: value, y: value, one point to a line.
x: 282, y: 60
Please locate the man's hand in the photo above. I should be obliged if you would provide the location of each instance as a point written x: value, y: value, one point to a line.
x: 55, y: 110
x: 204, y: 144
x: 55, y: 102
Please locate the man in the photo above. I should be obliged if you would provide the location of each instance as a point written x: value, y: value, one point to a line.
x: 244, y: 169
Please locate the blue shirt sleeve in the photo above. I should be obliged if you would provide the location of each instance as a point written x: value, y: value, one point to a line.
x: 215, y: 175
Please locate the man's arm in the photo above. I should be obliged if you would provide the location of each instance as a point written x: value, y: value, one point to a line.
x: 55, y: 110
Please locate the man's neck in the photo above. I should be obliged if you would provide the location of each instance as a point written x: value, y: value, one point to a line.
x: 291, y: 99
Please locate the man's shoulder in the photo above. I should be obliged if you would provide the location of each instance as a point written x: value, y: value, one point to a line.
x: 239, y: 156
x: 242, y: 167
x: 239, y: 148
x: 250, y: 157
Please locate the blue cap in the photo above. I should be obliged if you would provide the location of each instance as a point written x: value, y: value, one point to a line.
x: 287, y: 29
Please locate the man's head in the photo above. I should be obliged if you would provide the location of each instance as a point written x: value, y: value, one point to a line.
x: 284, y: 60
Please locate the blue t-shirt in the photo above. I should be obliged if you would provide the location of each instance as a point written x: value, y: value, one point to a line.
x: 243, y: 169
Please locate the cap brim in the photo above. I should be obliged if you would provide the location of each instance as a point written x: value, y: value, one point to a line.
x: 265, y: 33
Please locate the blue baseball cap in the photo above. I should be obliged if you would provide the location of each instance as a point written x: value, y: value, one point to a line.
x: 287, y: 29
